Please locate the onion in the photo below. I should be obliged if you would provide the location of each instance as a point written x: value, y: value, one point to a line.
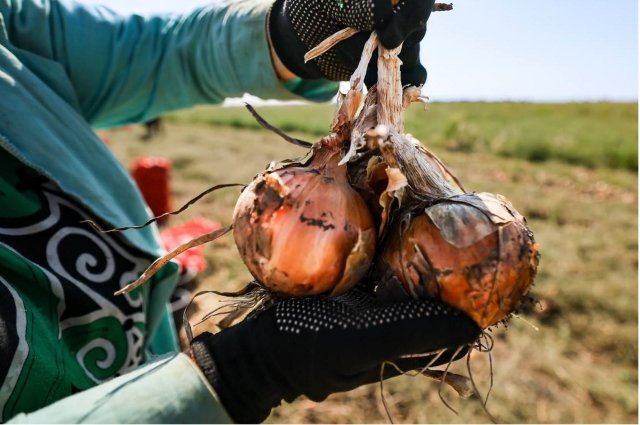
x: 303, y: 230
x: 472, y: 251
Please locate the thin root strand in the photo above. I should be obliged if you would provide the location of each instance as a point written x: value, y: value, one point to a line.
x: 178, y: 211
x: 276, y: 130
x: 444, y: 377
x: 483, y: 400
x: 252, y: 297
x: 162, y: 261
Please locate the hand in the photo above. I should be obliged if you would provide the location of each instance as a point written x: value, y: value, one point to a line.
x: 295, y: 26
x: 318, y: 346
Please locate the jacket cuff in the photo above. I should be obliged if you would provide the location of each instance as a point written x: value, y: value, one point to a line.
x: 288, y: 45
x: 170, y: 389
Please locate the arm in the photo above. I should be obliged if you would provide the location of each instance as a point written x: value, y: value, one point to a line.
x: 129, y: 69
x: 168, y: 390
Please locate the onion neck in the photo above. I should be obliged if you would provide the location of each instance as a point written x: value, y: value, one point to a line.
x: 327, y: 155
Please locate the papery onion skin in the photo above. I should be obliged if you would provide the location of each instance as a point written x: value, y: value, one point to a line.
x: 474, y: 252
x: 302, y: 230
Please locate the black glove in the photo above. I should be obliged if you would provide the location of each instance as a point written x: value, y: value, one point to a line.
x: 296, y: 26
x: 315, y: 347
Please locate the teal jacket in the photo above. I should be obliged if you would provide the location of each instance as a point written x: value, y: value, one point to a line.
x: 65, y: 68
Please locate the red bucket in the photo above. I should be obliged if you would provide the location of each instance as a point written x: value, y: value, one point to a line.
x: 152, y: 175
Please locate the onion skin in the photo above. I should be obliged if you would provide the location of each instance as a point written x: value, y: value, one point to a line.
x: 302, y: 230
x: 473, y: 251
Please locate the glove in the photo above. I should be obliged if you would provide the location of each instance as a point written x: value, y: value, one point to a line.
x: 296, y: 26
x: 315, y: 347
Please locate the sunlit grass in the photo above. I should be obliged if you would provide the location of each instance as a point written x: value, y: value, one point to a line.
x: 589, y: 134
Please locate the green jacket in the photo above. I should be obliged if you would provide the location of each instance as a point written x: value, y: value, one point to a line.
x: 65, y: 68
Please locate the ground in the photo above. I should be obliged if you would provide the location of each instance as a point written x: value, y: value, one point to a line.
x: 570, y: 169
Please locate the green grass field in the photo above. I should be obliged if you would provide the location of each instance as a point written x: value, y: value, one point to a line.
x: 592, y: 135
x: 570, y: 169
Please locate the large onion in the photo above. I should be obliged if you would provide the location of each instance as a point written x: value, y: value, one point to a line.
x: 302, y: 230
x: 473, y: 251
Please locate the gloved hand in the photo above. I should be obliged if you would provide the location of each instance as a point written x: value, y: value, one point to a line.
x: 295, y: 26
x: 315, y: 347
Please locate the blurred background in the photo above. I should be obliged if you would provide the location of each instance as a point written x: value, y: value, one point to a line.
x: 533, y: 100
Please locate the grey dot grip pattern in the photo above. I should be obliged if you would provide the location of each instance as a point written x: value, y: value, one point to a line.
x: 352, y: 311
x: 314, y: 21
x: 317, y: 346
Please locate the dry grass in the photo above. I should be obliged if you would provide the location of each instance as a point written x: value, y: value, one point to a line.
x: 579, y: 367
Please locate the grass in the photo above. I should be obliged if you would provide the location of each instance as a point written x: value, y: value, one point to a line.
x: 589, y: 134
x: 557, y: 164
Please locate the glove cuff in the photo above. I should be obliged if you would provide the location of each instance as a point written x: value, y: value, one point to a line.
x: 235, y: 404
x: 287, y: 45
x: 205, y: 363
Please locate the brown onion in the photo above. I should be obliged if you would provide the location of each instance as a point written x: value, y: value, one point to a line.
x: 472, y: 251
x: 302, y: 230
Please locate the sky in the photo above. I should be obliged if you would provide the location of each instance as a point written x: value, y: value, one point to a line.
x: 517, y: 50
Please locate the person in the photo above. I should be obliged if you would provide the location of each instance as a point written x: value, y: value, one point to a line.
x: 152, y: 128
x: 71, y: 351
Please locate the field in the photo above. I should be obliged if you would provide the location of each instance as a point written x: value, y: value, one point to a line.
x: 570, y: 169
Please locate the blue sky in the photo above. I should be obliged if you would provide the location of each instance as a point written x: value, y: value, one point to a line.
x: 534, y: 50
x: 545, y: 50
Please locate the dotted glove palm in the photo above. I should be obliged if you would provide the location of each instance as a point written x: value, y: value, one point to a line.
x: 295, y: 26
x: 315, y: 347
